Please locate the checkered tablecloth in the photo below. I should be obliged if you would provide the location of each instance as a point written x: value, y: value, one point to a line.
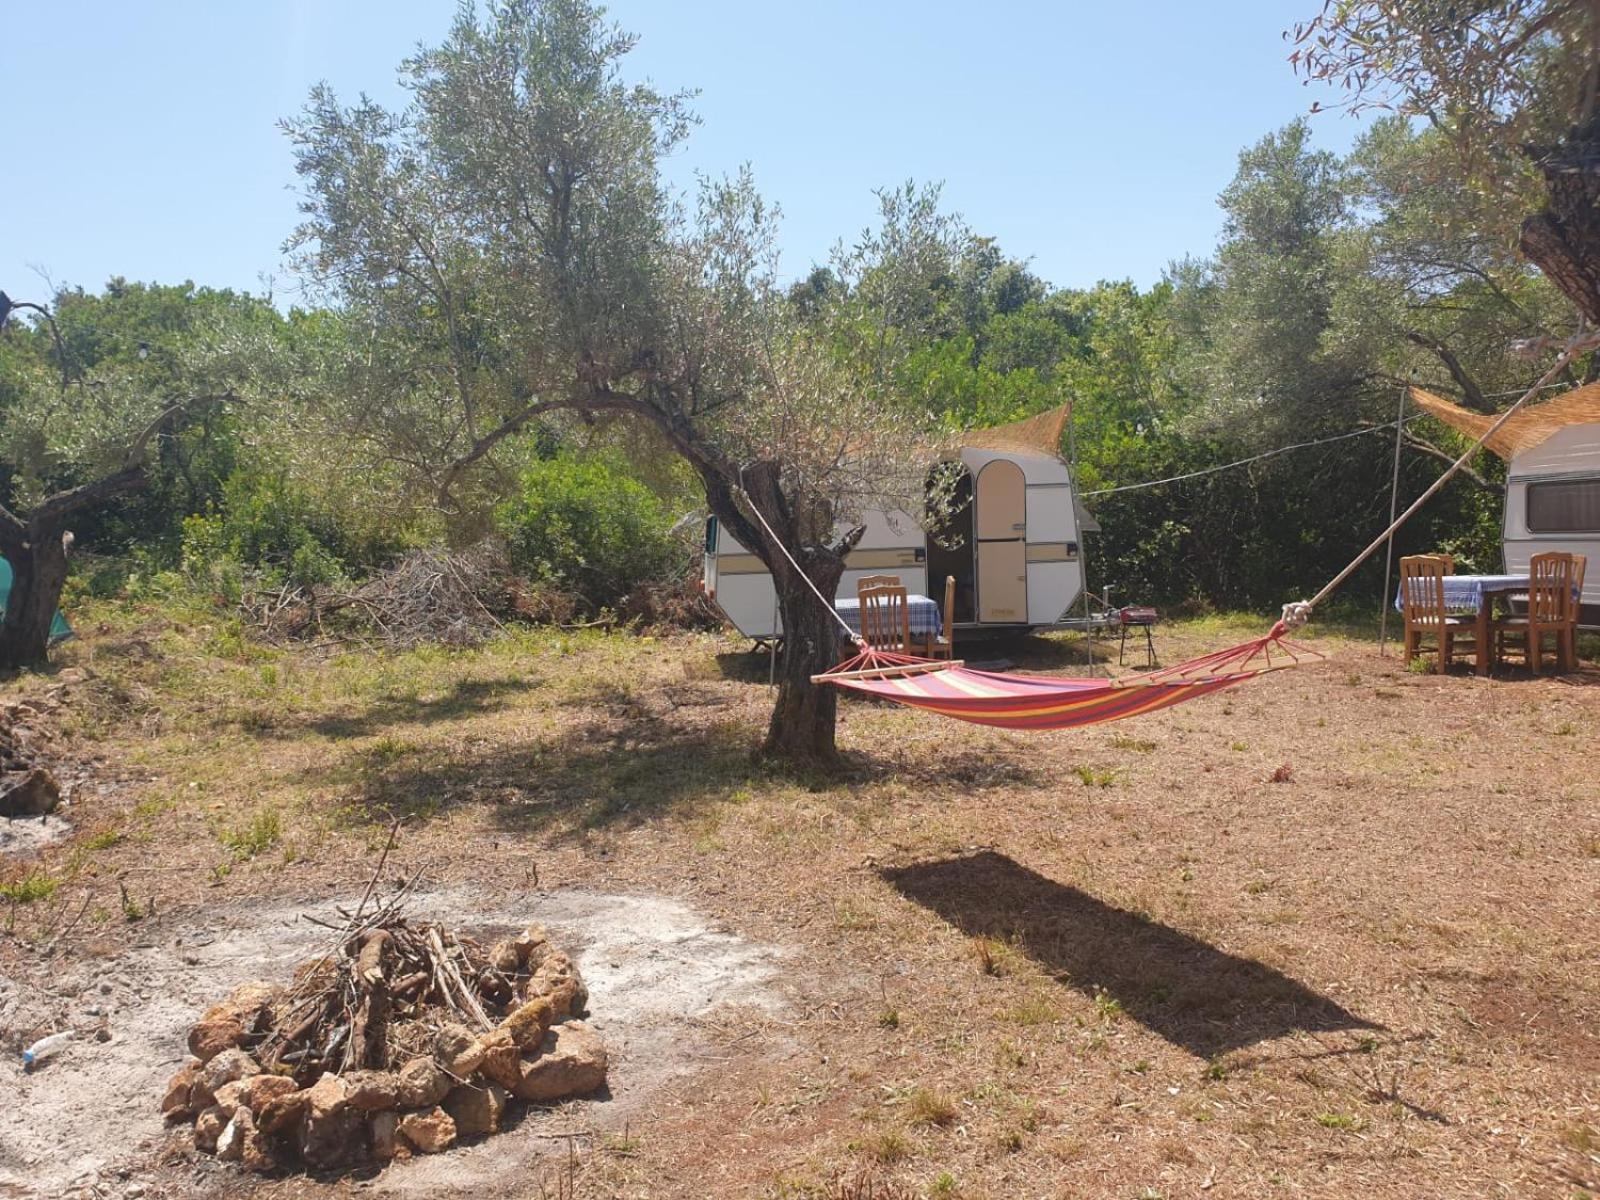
x: 1463, y: 594
x: 921, y: 612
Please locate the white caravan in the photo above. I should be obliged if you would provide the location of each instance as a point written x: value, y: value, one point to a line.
x: 1552, y: 481
x: 1014, y: 548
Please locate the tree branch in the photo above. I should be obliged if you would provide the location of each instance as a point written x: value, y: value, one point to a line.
x: 1429, y: 449
x: 1468, y: 385
x: 61, y: 505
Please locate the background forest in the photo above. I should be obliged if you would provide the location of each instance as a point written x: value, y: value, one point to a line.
x: 316, y: 445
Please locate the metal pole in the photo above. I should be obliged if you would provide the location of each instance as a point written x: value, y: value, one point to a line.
x: 1394, y: 503
x: 1083, y: 536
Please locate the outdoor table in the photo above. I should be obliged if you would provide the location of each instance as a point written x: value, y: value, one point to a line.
x: 1474, y: 596
x: 921, y: 612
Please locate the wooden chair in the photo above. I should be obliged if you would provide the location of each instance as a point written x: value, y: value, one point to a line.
x: 1422, y: 601
x: 885, y: 617
x: 943, y: 644
x: 1551, y: 610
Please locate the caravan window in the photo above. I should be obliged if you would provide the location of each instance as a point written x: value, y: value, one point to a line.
x: 1564, y: 506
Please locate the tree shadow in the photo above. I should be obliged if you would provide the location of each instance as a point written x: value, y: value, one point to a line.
x: 467, y: 697
x: 1195, y: 996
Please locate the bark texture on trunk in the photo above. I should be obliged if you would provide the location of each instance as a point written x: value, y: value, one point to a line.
x: 1563, y: 240
x: 801, y: 731
x: 38, y: 573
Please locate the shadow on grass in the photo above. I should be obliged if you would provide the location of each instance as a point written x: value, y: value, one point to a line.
x: 582, y: 781
x: 465, y: 698
x: 1195, y: 996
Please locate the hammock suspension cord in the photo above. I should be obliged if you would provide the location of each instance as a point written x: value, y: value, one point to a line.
x: 777, y: 541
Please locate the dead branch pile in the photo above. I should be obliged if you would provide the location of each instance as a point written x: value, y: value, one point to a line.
x: 456, y: 598
x: 401, y: 1039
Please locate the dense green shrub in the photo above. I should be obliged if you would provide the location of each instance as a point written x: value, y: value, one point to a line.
x: 265, y: 522
x: 586, y: 526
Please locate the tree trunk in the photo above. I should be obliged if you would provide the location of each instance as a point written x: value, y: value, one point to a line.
x: 801, y: 731
x: 38, y: 573
x: 1563, y: 241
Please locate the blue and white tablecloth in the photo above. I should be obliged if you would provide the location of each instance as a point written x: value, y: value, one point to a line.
x: 921, y: 612
x: 1463, y: 594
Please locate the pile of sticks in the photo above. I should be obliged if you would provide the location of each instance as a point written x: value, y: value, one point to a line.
x: 449, y: 597
x: 384, y: 995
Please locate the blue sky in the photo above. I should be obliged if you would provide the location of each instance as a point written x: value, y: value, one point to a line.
x: 140, y: 138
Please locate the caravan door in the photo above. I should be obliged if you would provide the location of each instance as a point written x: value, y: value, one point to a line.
x: 1001, y: 502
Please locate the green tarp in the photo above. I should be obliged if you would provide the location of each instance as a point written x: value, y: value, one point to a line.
x: 58, y: 628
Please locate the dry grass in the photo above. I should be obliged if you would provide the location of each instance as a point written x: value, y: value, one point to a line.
x: 1371, y: 973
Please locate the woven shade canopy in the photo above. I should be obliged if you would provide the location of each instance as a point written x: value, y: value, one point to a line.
x: 1527, y: 429
x: 1038, y: 434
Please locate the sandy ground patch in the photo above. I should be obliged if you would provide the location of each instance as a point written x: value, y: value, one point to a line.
x: 86, y: 1121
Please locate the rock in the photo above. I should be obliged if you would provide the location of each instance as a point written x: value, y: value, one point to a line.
x: 228, y: 1024
x: 230, y: 1145
x: 210, y: 1037
x: 429, y: 1132
x: 227, y: 1097
x: 372, y: 1091
x: 476, y: 1110
x: 503, y: 957
x: 228, y: 1066
x: 329, y: 1137
x: 385, y: 1127
x: 327, y: 1096
x: 502, y: 1057
x: 528, y: 1025
x: 179, y: 1100
x: 208, y: 1127
x: 571, y: 1062
x: 422, y: 1084
x: 242, y: 1142
x: 457, y: 1050
x: 279, y: 1114
x: 533, y: 945
x: 557, y: 979
x: 257, y: 1090
x: 30, y: 795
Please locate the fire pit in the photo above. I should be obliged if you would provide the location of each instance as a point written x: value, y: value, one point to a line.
x: 401, y: 1039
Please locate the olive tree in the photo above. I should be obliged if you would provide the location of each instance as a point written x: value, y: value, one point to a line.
x: 1515, y: 87
x: 71, y: 441
x: 510, y: 244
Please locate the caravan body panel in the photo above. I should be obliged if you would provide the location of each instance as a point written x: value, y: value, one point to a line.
x: 1553, y: 504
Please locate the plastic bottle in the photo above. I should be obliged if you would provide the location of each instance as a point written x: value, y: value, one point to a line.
x: 45, y: 1047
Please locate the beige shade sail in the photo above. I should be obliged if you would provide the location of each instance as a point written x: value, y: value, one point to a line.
x: 1527, y: 429
x: 1038, y: 434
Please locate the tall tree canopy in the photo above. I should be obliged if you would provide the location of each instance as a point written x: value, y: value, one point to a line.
x: 510, y: 252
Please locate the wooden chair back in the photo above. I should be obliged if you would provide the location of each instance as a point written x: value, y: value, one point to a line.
x: 1550, y: 579
x: 948, y: 629
x: 1422, y: 591
x: 870, y: 581
x: 885, y: 617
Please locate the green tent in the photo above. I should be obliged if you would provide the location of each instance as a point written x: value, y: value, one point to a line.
x: 59, y: 629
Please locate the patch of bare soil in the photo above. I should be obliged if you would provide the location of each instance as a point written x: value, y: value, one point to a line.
x: 86, y: 1122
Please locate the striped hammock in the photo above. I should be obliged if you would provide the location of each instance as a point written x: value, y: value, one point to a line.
x: 952, y: 689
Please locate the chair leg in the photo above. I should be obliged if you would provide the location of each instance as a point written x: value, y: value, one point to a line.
x: 1445, y: 648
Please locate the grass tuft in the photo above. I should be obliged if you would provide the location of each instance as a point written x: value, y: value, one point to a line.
x: 263, y: 831
x: 930, y: 1106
